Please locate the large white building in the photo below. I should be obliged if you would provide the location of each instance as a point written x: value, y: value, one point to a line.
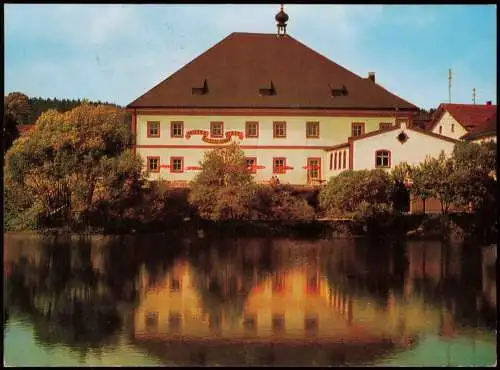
x: 295, y: 113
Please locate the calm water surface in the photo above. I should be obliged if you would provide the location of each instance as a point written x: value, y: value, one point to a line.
x: 157, y: 300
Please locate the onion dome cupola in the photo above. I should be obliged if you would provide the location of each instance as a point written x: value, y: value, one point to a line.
x: 281, y: 18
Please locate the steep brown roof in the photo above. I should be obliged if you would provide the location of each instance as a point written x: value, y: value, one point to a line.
x: 468, y: 115
x: 238, y: 69
x: 489, y: 128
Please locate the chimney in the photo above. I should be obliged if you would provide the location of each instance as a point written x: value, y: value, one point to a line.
x: 371, y: 76
x: 488, y: 102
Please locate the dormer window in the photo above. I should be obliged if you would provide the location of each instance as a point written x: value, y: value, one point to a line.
x: 200, y: 90
x: 271, y: 90
x: 339, y: 91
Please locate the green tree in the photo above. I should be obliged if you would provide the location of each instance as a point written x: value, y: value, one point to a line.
x: 476, y: 183
x: 442, y: 175
x: 74, y: 159
x: 16, y: 112
x: 400, y: 176
x: 363, y: 195
x: 224, y: 187
x: 278, y: 203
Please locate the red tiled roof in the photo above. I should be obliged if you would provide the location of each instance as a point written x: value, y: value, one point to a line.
x: 488, y: 128
x: 468, y: 115
x: 237, y: 68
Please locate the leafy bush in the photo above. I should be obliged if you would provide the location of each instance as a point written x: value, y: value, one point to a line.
x: 224, y: 187
x: 73, y: 163
x: 279, y: 203
x: 358, y: 194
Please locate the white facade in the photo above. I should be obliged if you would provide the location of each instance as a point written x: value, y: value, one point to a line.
x: 297, y: 149
x: 449, y: 127
x: 414, y: 150
x: 333, y: 151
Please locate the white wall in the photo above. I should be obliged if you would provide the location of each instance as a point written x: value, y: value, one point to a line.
x: 333, y: 130
x: 446, y: 121
x: 339, y: 154
x: 413, y: 151
x: 296, y: 158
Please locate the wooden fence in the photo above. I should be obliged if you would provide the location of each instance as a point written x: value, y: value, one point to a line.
x: 432, y: 206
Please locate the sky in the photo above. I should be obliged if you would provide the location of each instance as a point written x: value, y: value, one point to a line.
x: 115, y: 53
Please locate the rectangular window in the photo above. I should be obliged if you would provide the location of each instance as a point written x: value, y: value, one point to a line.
x: 314, y: 169
x: 251, y: 163
x: 279, y: 283
x: 151, y: 320
x: 279, y: 165
x: 335, y: 161
x: 250, y: 323
x: 385, y: 125
x: 177, y: 164
x: 153, y: 164
x: 340, y: 161
x: 214, y: 321
x: 440, y: 130
x: 216, y: 129
x: 176, y: 129
x: 174, y: 321
x: 382, y: 159
x: 331, y: 161
x: 311, y: 325
x: 344, y: 160
x: 278, y: 323
x: 452, y: 127
x: 357, y: 128
x: 252, y: 129
x: 279, y: 129
x: 312, y: 130
x: 153, y: 128
x: 175, y: 285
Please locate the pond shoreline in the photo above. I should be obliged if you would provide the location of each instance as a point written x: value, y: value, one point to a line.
x: 403, y: 226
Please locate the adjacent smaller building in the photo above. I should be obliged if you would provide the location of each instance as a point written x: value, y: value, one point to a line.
x: 386, y: 148
x: 465, y: 121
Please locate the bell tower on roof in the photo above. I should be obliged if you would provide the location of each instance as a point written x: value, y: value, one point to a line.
x: 281, y: 18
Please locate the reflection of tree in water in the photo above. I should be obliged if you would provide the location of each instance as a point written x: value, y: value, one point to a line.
x: 64, y: 297
x: 358, y: 268
x: 124, y: 257
x: 226, y: 273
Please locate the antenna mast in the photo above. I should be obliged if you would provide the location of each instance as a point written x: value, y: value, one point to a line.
x: 474, y: 95
x: 449, y: 85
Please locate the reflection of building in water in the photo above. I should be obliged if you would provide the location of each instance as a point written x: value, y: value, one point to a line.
x: 431, y: 261
x: 293, y: 304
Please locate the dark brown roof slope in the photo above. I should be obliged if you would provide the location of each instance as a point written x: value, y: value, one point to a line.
x: 240, y: 65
